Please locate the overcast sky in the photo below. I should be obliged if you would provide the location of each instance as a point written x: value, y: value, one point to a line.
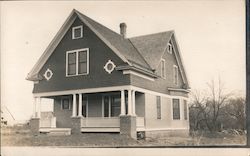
x: 211, y: 36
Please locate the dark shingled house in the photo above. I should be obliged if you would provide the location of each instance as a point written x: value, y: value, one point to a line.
x: 102, y: 81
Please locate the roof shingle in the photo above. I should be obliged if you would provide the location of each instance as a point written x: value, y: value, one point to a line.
x: 152, y: 46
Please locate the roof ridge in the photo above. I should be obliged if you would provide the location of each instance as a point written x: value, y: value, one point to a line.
x: 152, y: 34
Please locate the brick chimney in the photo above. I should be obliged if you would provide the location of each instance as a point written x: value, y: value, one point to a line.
x: 123, y: 28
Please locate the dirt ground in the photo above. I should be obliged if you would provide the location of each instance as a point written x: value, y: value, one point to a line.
x: 21, y: 136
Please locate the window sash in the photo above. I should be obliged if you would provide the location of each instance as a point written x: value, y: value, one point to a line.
x: 158, y: 105
x: 185, y: 109
x: 176, y: 109
x: 65, y: 104
x: 77, y: 62
x: 77, y: 32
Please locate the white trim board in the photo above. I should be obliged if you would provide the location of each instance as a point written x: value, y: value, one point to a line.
x: 105, y: 89
x: 138, y: 74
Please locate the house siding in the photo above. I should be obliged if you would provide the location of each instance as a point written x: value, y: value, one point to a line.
x: 140, y: 104
x: 95, y: 105
x: 99, y: 54
x: 63, y: 116
x: 166, y: 120
x: 160, y: 84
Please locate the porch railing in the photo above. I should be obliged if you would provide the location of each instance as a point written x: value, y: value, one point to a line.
x: 101, y: 122
x: 48, y: 122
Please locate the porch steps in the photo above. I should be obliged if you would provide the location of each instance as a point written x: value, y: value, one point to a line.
x: 56, y: 131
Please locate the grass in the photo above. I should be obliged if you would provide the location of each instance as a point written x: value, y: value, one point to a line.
x: 21, y: 136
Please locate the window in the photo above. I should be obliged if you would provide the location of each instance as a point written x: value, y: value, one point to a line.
x: 176, y: 109
x: 65, y: 104
x: 175, y: 75
x: 77, y: 32
x: 185, y: 109
x: 163, y: 69
x: 169, y: 48
x: 111, y: 105
x: 77, y: 62
x: 158, y: 106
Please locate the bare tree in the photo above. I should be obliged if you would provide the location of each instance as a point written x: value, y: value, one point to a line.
x: 236, y: 110
x: 209, y: 104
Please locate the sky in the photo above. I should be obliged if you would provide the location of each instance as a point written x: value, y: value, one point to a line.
x: 211, y: 37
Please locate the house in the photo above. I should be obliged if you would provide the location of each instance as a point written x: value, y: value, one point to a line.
x: 102, y: 81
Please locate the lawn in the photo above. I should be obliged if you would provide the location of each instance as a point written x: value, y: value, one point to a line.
x: 21, y: 136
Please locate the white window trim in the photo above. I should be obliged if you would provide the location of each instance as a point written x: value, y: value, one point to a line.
x: 164, y: 64
x: 177, y: 75
x: 73, y: 32
x: 169, y: 51
x: 77, y: 53
x: 62, y: 103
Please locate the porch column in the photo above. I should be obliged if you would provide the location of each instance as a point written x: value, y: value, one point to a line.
x: 122, y: 103
x: 34, y: 107
x: 39, y: 107
x: 80, y: 105
x: 129, y: 103
x: 133, y: 102
x: 74, y: 106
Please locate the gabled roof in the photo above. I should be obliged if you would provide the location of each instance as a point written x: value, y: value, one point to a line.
x: 142, y: 53
x: 123, y: 45
x: 152, y: 46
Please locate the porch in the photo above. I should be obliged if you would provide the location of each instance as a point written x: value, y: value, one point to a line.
x: 95, y: 111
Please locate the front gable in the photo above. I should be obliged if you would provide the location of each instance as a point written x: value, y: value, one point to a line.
x: 99, y: 54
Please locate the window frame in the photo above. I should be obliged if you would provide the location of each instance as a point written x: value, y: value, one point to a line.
x: 73, y: 32
x: 185, y: 109
x: 173, y: 110
x: 175, y: 72
x: 163, y: 62
x: 170, y: 48
x: 65, y: 98
x: 77, y: 61
x: 158, y: 116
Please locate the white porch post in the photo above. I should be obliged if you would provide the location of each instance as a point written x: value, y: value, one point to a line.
x: 122, y: 103
x: 129, y: 103
x: 133, y: 102
x: 34, y: 107
x: 39, y: 107
x: 80, y: 105
x: 74, y: 106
